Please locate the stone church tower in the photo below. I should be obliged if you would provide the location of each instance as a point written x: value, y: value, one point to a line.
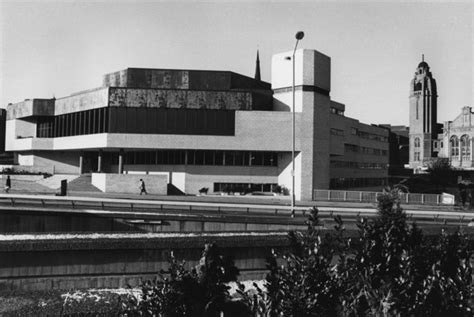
x: 423, y: 116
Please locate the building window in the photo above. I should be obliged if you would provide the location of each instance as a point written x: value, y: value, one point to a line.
x: 337, y: 132
x: 337, y: 111
x: 465, y: 147
x: 202, y: 157
x: 244, y: 187
x: 417, y: 156
x: 454, y: 144
x: 417, y: 142
x: 343, y: 182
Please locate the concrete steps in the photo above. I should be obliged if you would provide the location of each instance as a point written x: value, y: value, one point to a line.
x: 82, y: 183
x: 54, y: 182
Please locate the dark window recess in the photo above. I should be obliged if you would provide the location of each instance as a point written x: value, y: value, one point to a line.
x: 200, y: 157
x: 138, y: 120
x: 172, y: 121
x: 344, y: 183
x: 76, y: 123
x: 243, y: 187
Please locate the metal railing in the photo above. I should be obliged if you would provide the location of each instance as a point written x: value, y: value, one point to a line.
x: 366, y: 197
x: 139, y: 207
x: 73, y: 202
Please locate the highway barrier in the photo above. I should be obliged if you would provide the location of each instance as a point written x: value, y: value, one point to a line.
x: 361, y: 196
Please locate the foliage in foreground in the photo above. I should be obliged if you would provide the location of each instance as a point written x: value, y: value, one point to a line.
x: 390, y: 269
x: 201, y: 291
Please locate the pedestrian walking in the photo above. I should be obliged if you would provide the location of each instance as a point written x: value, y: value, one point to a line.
x: 8, y: 184
x: 142, y: 187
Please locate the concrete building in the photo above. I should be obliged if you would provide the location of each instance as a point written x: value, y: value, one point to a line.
x: 398, y: 152
x: 194, y: 129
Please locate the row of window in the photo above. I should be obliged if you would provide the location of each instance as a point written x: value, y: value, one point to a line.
x: 364, y: 150
x: 77, y: 123
x: 359, y: 165
x: 337, y: 132
x: 337, y: 111
x: 202, y: 157
x: 368, y: 136
x: 343, y: 182
x: 462, y: 147
x: 243, y: 188
x: 138, y: 120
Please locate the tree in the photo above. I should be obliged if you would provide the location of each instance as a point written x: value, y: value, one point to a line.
x: 440, y: 173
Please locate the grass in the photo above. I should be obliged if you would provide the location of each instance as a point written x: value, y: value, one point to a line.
x: 94, y: 302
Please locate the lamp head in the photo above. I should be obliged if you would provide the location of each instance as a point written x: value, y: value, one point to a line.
x: 299, y: 35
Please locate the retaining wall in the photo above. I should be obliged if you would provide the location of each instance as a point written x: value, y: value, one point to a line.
x: 107, y: 261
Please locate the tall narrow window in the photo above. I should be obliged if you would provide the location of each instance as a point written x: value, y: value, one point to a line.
x: 465, y: 147
x: 454, y: 144
x: 416, y: 109
x: 417, y: 142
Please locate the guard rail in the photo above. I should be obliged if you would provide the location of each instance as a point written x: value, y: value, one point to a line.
x: 139, y: 206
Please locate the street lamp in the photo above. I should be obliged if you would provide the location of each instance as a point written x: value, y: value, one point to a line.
x: 299, y: 35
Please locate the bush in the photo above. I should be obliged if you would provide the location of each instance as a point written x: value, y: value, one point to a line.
x: 11, y: 171
x: 202, y: 291
x: 389, y: 269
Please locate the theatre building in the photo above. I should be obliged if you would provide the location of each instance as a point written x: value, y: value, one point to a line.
x: 193, y: 129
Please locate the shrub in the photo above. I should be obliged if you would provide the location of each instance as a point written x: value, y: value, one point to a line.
x: 391, y: 269
x: 305, y: 284
x: 201, y: 291
x: 396, y: 271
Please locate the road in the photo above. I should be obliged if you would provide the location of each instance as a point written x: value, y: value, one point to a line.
x: 266, y: 211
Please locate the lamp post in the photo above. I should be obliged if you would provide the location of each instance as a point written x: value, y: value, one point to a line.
x: 299, y: 35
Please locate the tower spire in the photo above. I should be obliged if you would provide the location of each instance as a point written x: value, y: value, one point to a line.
x: 422, y: 57
x: 257, y: 67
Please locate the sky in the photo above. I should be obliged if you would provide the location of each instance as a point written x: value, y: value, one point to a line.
x: 55, y: 49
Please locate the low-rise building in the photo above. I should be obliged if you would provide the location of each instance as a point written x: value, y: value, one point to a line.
x: 204, y: 129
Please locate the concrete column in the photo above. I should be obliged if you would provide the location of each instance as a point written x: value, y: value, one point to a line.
x: 120, y: 162
x: 99, y: 161
x: 81, y: 162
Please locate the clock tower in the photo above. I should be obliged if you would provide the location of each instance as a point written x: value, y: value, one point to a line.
x: 423, y: 116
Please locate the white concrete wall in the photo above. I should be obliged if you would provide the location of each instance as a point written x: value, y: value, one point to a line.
x: 254, y: 130
x: 10, y: 135
x: 189, y: 179
x: 179, y: 180
x: 99, y: 181
x: 196, y: 181
x: 312, y: 68
x: 129, y: 183
x: 26, y: 160
x: 91, y: 141
x: 282, y: 69
x: 54, y: 162
x: 284, y: 177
